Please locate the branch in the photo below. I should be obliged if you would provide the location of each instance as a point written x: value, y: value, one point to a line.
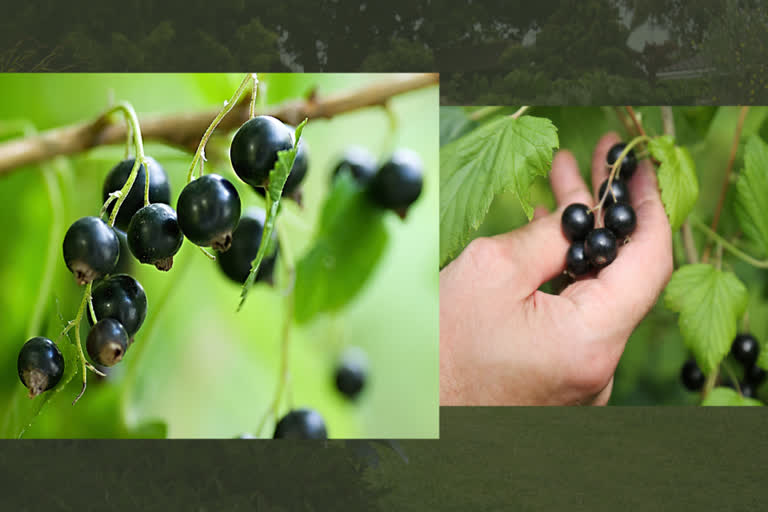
x: 185, y: 129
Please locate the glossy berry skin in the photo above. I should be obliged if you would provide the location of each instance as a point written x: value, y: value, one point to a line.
x: 122, y: 298
x: 398, y: 182
x: 159, y: 188
x: 208, y: 211
x: 298, y: 172
x: 351, y: 373
x: 620, y: 192
x: 154, y: 235
x: 254, y: 148
x: 236, y: 262
x: 745, y: 349
x: 600, y: 247
x: 359, y: 162
x: 577, y: 221
x: 107, y: 342
x: 91, y: 249
x: 754, y: 375
x: 620, y: 218
x: 301, y: 424
x: 693, y: 378
x: 576, y: 262
x: 125, y: 261
x: 628, y: 165
x: 40, y: 365
x: 747, y: 390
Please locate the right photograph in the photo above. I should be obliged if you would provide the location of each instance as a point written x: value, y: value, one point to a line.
x: 603, y: 255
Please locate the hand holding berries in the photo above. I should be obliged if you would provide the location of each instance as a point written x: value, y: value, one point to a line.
x: 628, y: 164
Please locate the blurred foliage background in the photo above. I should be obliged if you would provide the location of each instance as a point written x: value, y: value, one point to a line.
x: 207, y: 371
x: 649, y: 371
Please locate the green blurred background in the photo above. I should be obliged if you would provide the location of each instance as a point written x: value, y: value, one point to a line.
x: 207, y: 371
x: 649, y: 371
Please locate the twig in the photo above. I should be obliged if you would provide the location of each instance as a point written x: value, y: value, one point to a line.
x: 184, y: 129
x: 520, y: 112
x: 635, y: 121
x: 627, y: 127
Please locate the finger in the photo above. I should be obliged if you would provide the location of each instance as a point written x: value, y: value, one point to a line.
x: 567, y: 184
x: 604, y: 395
x: 600, y: 169
x: 541, y: 211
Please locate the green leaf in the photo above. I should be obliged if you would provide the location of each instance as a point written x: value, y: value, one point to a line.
x: 677, y: 179
x: 728, y: 396
x: 350, y: 240
x: 502, y: 154
x: 453, y: 124
x: 752, y: 193
x: 710, y: 303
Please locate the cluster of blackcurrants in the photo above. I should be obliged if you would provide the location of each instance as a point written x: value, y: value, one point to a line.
x: 745, y: 349
x: 593, y: 248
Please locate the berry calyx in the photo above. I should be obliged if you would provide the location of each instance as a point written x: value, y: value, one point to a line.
x: 40, y: 365
x: 208, y: 211
x: 107, y: 342
x: 254, y: 148
x: 246, y: 239
x: 628, y: 165
x: 154, y: 235
x: 122, y: 298
x: 159, y: 188
x: 600, y: 247
x: 621, y: 219
x: 351, y: 373
x: 91, y: 249
x: 359, y: 162
x: 397, y: 183
x: 745, y: 349
x: 692, y: 376
x: 619, y: 192
x: 301, y: 424
x: 577, y: 221
x: 754, y: 375
x: 576, y: 261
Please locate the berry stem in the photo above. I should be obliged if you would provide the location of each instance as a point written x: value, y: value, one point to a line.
x: 519, y: 112
x: 228, y: 106
x: 727, y: 245
x: 615, y: 171
x: 254, y: 93
x: 484, y: 112
x: 78, y: 343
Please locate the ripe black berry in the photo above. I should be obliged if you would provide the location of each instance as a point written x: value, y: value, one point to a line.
x: 122, y: 298
x: 628, y: 165
x: 300, y: 166
x: 91, y: 249
x: 358, y: 161
x: 107, y: 342
x: 747, y: 390
x: 397, y: 184
x: 255, y: 146
x: 159, y: 188
x: 620, y: 192
x: 745, y: 349
x: 301, y: 424
x: 693, y: 378
x: 236, y: 262
x: 600, y: 247
x: 154, y: 235
x: 351, y: 373
x: 40, y: 365
x: 576, y: 262
x: 577, y: 221
x: 208, y: 210
x: 620, y: 218
x: 125, y: 261
x: 754, y: 375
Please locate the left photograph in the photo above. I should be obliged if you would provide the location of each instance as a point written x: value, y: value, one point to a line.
x: 219, y: 256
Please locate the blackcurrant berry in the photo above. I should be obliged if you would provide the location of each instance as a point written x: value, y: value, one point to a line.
x: 122, y: 298
x: 154, y: 235
x: 159, y: 188
x: 107, y: 342
x: 620, y: 192
x: 600, y: 247
x: 620, y: 218
x: 397, y: 183
x: 693, y: 378
x: 91, y: 249
x: 40, y: 365
x: 747, y: 390
x: 358, y: 161
x: 351, y: 372
x: 254, y: 148
x: 577, y: 221
x: 301, y: 424
x: 125, y: 261
x: 745, y: 349
x: 300, y: 166
x: 208, y: 210
x: 628, y: 165
x: 576, y: 262
x: 754, y: 375
x: 236, y: 262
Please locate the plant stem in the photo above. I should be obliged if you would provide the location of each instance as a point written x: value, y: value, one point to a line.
x: 484, y: 112
x: 520, y: 112
x: 135, y: 129
x: 615, y: 170
x: 78, y: 343
x: 728, y: 246
x: 635, y: 121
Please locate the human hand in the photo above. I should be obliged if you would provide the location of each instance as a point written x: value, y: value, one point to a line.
x: 503, y: 342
